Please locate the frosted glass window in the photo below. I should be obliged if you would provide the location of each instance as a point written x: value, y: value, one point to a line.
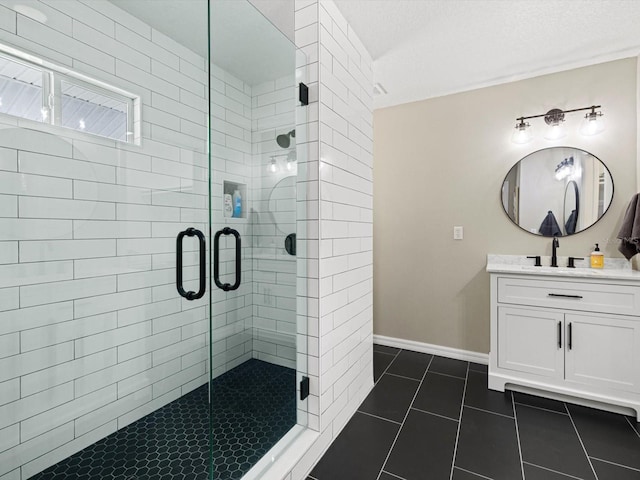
x: 36, y: 90
x: 92, y: 110
x: 21, y: 93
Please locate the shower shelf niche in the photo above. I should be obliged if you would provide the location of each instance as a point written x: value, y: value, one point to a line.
x: 229, y: 187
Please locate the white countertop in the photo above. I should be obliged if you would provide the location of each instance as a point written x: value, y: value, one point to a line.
x: 614, y: 268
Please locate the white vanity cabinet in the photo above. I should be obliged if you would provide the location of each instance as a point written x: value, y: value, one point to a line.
x: 568, y: 335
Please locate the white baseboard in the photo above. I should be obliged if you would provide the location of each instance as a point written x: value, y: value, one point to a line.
x: 458, y: 354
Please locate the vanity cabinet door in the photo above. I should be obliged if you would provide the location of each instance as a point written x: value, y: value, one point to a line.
x: 529, y: 340
x: 604, y: 351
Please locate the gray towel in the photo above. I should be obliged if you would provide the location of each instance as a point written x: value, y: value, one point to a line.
x: 630, y: 231
x: 549, y: 226
x: 570, y: 226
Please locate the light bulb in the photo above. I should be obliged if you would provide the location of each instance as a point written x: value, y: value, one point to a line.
x: 44, y: 112
x: 554, y: 132
x: 289, y: 165
x: 81, y: 124
x: 0, y: 101
x: 273, y: 168
x: 522, y: 134
x: 592, y: 124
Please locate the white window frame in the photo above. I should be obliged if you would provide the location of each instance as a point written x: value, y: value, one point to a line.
x: 52, y: 77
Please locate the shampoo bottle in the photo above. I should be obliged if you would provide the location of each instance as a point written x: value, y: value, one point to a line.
x: 597, y: 258
x: 237, y: 204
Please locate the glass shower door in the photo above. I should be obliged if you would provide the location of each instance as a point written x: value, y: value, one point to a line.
x: 104, y: 213
x: 254, y: 175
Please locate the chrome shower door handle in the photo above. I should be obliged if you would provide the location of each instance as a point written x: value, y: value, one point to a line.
x: 216, y: 259
x: 191, y: 232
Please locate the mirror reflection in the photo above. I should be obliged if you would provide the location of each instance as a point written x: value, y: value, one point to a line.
x: 557, y: 191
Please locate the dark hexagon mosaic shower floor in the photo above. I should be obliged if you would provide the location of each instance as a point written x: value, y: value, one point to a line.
x: 253, y: 406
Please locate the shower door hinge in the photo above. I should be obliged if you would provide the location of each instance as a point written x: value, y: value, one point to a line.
x: 304, y: 94
x: 304, y: 388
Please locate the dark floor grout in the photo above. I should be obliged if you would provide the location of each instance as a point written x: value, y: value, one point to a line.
x: 447, y: 375
x: 472, y: 473
x: 633, y: 427
x: 455, y: 447
x: 393, y: 475
x: 540, y: 408
x: 434, y: 414
x: 488, y: 411
x: 400, y: 376
x: 387, y: 353
x: 551, y: 470
x: 515, y: 420
x: 390, y: 363
x: 379, y: 417
x: 393, y: 444
x: 581, y: 442
x: 616, y: 464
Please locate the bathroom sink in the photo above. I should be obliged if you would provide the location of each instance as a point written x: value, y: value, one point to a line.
x: 616, y: 268
x: 546, y: 270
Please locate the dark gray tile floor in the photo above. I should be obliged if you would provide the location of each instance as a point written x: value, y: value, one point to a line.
x: 433, y: 418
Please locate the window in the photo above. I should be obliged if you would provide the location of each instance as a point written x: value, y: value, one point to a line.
x: 56, y: 96
x: 21, y: 92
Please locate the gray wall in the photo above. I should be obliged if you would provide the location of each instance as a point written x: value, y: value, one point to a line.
x: 441, y: 162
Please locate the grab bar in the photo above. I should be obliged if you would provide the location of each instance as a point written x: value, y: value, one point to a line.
x: 216, y: 259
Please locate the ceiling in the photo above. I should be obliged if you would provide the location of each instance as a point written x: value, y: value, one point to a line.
x: 421, y: 48
x: 430, y: 48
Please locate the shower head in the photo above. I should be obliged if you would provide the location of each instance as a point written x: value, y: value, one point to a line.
x: 284, y: 140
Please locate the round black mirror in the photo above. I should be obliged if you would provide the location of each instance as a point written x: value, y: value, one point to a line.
x: 557, y: 191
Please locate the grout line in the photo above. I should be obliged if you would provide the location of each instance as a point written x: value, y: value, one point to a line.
x: 472, y: 473
x: 377, y: 416
x: 447, y: 375
x: 552, y: 470
x: 402, y: 376
x: 434, y: 414
x: 581, y: 442
x: 404, y: 420
x: 384, y: 353
x: 633, y: 427
x: 455, y: 445
x: 515, y: 419
x: 539, y: 408
x: 393, y: 475
x: 385, y: 370
x: 488, y: 411
x: 616, y: 464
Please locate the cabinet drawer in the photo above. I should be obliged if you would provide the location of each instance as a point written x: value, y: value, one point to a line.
x: 591, y: 297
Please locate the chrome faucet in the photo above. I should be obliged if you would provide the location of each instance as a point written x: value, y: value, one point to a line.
x: 555, y: 244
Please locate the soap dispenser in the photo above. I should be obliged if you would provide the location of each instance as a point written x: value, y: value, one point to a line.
x: 237, y: 203
x: 597, y: 258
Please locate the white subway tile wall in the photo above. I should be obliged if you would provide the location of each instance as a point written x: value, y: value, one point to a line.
x: 92, y: 333
x: 231, y: 161
x: 335, y: 205
x: 273, y: 218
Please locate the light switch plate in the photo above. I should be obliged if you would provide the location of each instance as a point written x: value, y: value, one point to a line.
x: 458, y: 233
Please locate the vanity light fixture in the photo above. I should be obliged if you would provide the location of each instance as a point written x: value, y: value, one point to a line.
x: 291, y: 159
x: 592, y: 124
x: 564, y: 168
x: 554, y: 119
x: 523, y: 132
x: 273, y: 167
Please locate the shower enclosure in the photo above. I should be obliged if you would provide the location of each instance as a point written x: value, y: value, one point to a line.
x: 148, y: 173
